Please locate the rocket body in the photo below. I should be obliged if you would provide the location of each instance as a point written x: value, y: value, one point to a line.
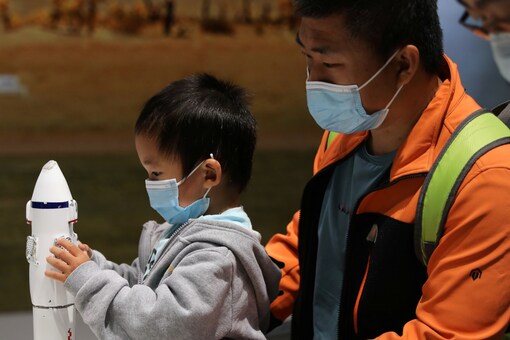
x: 51, y: 212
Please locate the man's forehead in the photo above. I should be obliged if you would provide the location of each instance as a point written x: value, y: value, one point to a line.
x: 315, y: 42
x: 324, y: 35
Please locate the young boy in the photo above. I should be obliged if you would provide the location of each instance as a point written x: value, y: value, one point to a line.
x: 202, y: 274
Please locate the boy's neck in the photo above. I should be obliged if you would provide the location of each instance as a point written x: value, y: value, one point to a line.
x: 221, y: 200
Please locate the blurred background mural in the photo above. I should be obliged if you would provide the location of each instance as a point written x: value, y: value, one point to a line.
x: 75, y: 73
x: 73, y: 78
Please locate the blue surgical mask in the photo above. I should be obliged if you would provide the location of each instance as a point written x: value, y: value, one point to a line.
x: 164, y: 198
x: 500, y: 43
x: 338, y: 108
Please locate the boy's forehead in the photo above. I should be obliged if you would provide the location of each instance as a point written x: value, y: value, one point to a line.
x: 150, y: 154
x: 147, y: 150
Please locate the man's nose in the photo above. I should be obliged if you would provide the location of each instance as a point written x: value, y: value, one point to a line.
x: 316, y: 73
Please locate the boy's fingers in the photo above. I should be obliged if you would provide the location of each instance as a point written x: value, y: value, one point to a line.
x: 56, y: 251
x: 84, y: 247
x: 55, y: 275
x: 69, y: 246
x: 61, y: 254
x: 56, y: 263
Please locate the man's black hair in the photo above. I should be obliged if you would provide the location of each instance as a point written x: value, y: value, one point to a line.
x: 386, y: 25
x: 199, y: 115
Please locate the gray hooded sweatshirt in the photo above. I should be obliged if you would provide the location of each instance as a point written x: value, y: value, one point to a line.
x: 213, y: 280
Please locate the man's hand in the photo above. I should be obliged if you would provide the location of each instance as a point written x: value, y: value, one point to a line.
x: 67, y: 258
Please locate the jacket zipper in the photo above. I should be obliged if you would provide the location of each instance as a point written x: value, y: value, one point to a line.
x: 372, y: 239
x: 143, y: 241
x: 167, y: 247
x: 358, y: 298
x: 383, y: 185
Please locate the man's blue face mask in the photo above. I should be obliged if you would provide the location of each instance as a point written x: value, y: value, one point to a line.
x: 164, y: 198
x: 338, y: 108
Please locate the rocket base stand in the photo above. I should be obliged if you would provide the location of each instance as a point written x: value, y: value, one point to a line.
x: 54, y: 323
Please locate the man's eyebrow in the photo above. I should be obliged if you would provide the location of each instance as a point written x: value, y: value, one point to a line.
x: 320, y: 50
x: 298, y: 41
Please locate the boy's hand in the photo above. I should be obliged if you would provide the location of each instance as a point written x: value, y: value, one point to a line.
x: 66, y: 260
x: 85, y: 248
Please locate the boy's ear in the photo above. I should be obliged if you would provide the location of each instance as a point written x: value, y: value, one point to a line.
x: 213, y: 173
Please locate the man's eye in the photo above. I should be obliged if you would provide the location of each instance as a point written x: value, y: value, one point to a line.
x: 156, y: 173
x: 306, y: 55
x: 328, y: 65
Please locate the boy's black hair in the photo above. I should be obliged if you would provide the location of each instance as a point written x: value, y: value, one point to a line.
x: 386, y: 25
x: 199, y: 115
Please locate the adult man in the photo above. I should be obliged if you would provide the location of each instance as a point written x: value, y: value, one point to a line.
x: 353, y: 274
x: 490, y: 19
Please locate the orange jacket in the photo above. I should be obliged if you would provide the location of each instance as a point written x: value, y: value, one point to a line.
x: 452, y: 305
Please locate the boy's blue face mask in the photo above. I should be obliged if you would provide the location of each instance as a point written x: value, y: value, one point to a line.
x: 338, y: 108
x: 164, y: 198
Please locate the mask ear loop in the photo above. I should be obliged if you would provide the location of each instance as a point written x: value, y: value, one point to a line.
x: 205, y: 195
x: 394, y: 97
x: 380, y: 70
x: 192, y: 172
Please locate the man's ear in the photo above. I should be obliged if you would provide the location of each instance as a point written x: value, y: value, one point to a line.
x: 408, y: 62
x: 213, y: 173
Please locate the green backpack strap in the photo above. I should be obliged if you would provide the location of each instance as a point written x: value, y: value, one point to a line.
x: 331, y: 138
x: 477, y: 134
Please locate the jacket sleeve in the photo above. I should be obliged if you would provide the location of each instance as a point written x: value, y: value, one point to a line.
x: 130, y: 272
x: 193, y: 302
x: 467, y: 294
x: 284, y: 248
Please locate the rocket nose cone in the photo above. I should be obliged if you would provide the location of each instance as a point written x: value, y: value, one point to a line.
x: 51, y: 185
x: 50, y: 165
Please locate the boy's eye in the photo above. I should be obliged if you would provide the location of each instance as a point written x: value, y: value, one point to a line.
x: 156, y: 173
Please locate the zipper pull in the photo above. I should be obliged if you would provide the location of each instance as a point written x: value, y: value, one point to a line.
x: 372, y: 235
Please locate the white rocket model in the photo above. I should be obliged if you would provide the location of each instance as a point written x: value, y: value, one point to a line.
x: 52, y: 213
